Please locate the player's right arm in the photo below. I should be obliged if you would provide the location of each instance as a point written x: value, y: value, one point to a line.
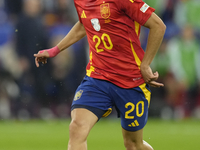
x: 75, y: 34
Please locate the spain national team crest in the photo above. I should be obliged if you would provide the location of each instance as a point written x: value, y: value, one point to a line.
x: 105, y: 10
x: 78, y: 95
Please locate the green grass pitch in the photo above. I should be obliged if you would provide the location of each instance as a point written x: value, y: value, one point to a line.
x: 106, y: 135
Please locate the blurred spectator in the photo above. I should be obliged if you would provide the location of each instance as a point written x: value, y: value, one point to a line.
x: 187, y: 11
x: 183, y: 52
x: 9, y: 68
x: 168, y: 13
x: 168, y: 17
x: 59, y: 12
x: 31, y: 37
x: 6, y: 46
x: 13, y: 8
x: 65, y: 12
x: 160, y: 64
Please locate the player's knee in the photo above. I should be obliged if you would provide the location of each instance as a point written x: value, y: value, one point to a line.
x: 78, y: 129
x: 76, y: 126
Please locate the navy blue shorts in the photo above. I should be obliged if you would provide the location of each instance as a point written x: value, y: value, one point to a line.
x: 99, y: 96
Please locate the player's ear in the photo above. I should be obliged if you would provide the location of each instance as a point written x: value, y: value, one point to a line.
x: 154, y: 22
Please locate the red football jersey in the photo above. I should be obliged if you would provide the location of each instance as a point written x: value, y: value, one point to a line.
x: 113, y: 28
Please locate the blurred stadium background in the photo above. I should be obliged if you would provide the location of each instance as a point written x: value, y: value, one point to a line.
x: 35, y: 102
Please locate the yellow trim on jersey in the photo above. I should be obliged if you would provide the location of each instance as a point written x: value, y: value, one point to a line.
x: 137, y: 59
x: 83, y: 14
x: 90, y: 71
x: 132, y: 1
x: 90, y: 57
x: 107, y: 112
x: 137, y: 27
x: 146, y: 92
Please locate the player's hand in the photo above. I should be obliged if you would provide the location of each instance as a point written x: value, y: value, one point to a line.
x: 41, y: 56
x: 150, y: 77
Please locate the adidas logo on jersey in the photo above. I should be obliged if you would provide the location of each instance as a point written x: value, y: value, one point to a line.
x: 134, y: 124
x: 83, y: 14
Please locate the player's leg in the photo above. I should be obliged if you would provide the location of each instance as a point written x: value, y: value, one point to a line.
x: 90, y: 103
x: 132, y: 105
x: 82, y: 122
x: 133, y: 140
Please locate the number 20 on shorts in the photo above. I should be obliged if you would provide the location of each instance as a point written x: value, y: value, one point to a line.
x: 102, y: 39
x: 139, y: 110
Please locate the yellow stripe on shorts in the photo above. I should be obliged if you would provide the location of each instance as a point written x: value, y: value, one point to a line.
x: 107, y: 112
x: 146, y: 92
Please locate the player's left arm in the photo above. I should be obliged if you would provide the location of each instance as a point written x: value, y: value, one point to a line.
x: 76, y: 33
x: 156, y: 33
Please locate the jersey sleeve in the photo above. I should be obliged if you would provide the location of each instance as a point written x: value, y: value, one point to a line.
x: 137, y: 10
x: 77, y: 10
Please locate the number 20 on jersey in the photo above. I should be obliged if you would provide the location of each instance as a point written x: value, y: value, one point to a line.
x: 100, y: 40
